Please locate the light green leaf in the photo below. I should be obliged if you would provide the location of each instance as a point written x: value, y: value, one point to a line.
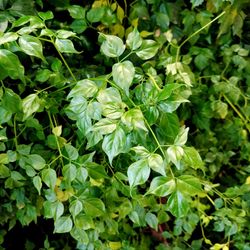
x: 105, y: 126
x: 76, y: 11
x: 80, y: 235
x: 36, y: 161
x: 109, y: 95
x: 75, y: 208
x: 86, y: 88
x: 114, y: 144
x: 53, y: 209
x: 94, y: 110
x: 113, y: 110
x: 31, y: 46
x: 30, y: 105
x: 11, y: 101
x: 152, y: 220
x: 10, y: 66
x: 177, y: 204
x: 65, y: 46
x: 8, y: 37
x: 189, y: 184
x: 156, y: 163
x: 123, y: 74
x: 162, y: 186
x: 196, y: 3
x: 148, y: 49
x: 46, y: 15
x: 192, y: 158
x: 138, y: 172
x: 37, y: 181
x: 64, y: 34
x: 95, y: 14
x: 69, y: 172
x: 49, y: 177
x: 63, y: 224
x: 94, y: 207
x: 134, y: 119
x: 81, y: 174
x: 181, y: 138
x: 112, y: 46
x: 83, y: 221
x: 71, y: 152
x: 141, y: 151
x: 175, y: 154
x: 134, y: 40
x: 4, y: 171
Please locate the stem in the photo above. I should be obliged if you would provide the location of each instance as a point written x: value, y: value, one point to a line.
x: 154, y: 82
x: 15, y: 133
x: 195, y: 33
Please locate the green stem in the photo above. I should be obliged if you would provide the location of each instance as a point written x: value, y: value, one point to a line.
x: 195, y: 33
x: 15, y: 133
x: 154, y: 82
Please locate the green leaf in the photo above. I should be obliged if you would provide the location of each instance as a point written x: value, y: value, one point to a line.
x: 181, y: 138
x: 138, y: 172
x: 4, y: 171
x: 30, y: 104
x: 53, y: 209
x: 105, y: 126
x: 192, y: 158
x: 69, y: 172
x: 156, y: 163
x: 134, y: 119
x: 96, y: 171
x: 134, y: 40
x: 36, y: 161
x: 114, y: 144
x: 162, y: 186
x: 123, y: 75
x: 189, y: 184
x: 148, y: 49
x: 80, y: 235
x: 175, y: 153
x: 49, y: 177
x: 167, y: 91
x: 177, y: 204
x: 8, y: 37
x: 63, y: 224
x: 10, y: 66
x: 79, y: 25
x: 31, y: 46
x: 94, y: 207
x: 141, y: 151
x: 81, y: 174
x: 11, y: 101
x: 95, y: 14
x: 109, y: 95
x: 196, y: 3
x: 83, y: 221
x: 75, y: 208
x: 76, y: 11
x: 71, y: 152
x: 64, y: 34
x: 113, y: 110
x: 112, y: 46
x: 86, y: 88
x: 46, y: 15
x: 37, y: 183
x: 65, y: 46
x: 152, y: 220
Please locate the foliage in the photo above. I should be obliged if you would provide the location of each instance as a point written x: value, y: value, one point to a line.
x: 125, y: 125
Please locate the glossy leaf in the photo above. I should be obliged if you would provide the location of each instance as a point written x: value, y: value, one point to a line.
x: 123, y: 74
x: 30, y: 104
x: 189, y: 184
x: 31, y: 46
x: 138, y: 172
x: 63, y: 224
x: 8, y: 37
x: 69, y: 172
x: 49, y: 177
x: 156, y: 163
x: 75, y: 207
x: 152, y: 220
x: 177, y: 204
x: 192, y: 158
x: 134, y: 40
x: 175, y: 154
x: 112, y: 46
x: 65, y: 46
x: 148, y: 49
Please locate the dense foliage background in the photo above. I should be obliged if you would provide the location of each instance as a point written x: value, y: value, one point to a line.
x: 124, y: 125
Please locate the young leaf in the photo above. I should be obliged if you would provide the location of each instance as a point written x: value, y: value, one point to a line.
x: 138, y: 172
x: 75, y: 208
x: 30, y: 105
x: 80, y: 235
x: 31, y: 46
x: 134, y: 40
x: 175, y: 154
x: 113, y: 144
x: 156, y: 163
x: 10, y: 66
x: 86, y: 88
x: 141, y: 151
x: 49, y: 177
x: 148, y: 49
x: 37, y: 183
x: 181, y: 138
x: 177, y: 204
x: 65, y: 46
x: 112, y: 46
x: 162, y: 186
x: 123, y: 74
x: 8, y: 37
x: 63, y: 225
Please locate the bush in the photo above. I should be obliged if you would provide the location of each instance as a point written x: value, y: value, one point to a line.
x: 124, y: 126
